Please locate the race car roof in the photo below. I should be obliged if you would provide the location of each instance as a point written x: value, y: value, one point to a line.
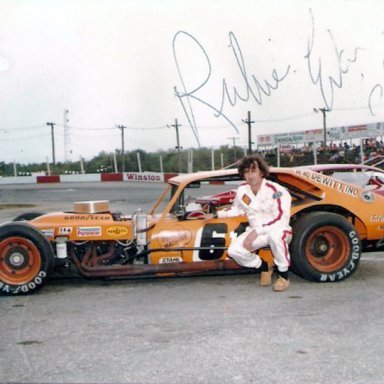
x: 341, y: 167
x: 222, y: 174
x: 207, y: 175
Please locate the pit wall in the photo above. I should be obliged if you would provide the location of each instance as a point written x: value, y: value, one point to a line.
x: 150, y: 177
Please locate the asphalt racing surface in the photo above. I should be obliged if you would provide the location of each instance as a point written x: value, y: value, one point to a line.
x: 213, y: 329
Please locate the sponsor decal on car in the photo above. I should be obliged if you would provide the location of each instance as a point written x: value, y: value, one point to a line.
x: 65, y: 230
x: 167, y: 260
x: 117, y: 231
x: 87, y: 217
x: 329, y: 182
x: 176, y: 237
x: 377, y: 218
x: 48, y: 232
x: 88, y: 231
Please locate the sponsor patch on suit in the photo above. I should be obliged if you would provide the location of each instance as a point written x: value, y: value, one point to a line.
x: 246, y: 199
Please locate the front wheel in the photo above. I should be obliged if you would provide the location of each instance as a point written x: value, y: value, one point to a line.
x: 26, y: 259
x: 325, y: 247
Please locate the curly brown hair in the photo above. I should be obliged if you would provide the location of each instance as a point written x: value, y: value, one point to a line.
x: 248, y: 162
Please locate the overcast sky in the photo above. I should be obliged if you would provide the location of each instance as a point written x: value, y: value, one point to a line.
x: 145, y: 63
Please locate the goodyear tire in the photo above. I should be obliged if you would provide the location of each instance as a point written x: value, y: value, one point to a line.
x: 26, y: 259
x: 325, y: 247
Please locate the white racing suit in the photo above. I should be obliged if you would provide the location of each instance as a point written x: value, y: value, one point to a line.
x: 268, y: 214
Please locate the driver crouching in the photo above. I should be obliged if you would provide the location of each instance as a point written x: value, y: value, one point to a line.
x: 267, y: 206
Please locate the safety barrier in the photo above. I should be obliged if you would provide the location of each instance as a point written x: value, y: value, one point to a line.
x: 150, y: 177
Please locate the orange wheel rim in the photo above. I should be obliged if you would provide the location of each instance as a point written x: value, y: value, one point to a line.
x: 327, y: 249
x: 20, y: 260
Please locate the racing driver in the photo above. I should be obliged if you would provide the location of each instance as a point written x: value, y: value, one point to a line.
x: 267, y: 206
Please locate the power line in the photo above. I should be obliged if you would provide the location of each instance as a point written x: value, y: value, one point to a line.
x: 147, y: 128
x: 89, y: 128
x: 112, y: 128
x: 217, y: 126
x: 22, y: 128
x: 283, y: 118
x: 25, y: 137
x: 286, y: 118
x: 95, y: 134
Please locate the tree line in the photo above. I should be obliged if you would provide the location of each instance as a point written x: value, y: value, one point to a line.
x: 171, y: 161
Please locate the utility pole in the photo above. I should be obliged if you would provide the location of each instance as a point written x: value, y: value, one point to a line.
x: 249, y: 122
x: 53, y: 142
x: 122, y: 127
x: 234, y: 145
x: 324, y: 112
x: 176, y: 126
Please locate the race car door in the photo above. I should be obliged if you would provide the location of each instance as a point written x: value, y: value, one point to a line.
x: 194, y: 240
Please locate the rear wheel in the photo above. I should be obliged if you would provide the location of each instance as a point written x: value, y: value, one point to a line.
x: 26, y: 259
x: 325, y: 247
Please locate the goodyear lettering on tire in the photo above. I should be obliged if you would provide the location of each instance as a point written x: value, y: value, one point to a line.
x: 356, y: 251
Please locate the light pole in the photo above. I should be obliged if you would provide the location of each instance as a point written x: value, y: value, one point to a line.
x: 324, y: 112
x: 52, y: 125
x: 234, y: 145
x: 176, y: 126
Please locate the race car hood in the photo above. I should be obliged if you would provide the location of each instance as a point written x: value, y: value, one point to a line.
x: 83, y: 226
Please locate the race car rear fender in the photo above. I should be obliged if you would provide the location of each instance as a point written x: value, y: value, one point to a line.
x: 355, y: 220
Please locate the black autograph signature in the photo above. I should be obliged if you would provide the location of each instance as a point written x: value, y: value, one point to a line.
x: 251, y: 87
x: 327, y: 82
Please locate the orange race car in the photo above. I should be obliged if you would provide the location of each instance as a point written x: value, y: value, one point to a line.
x: 333, y: 222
